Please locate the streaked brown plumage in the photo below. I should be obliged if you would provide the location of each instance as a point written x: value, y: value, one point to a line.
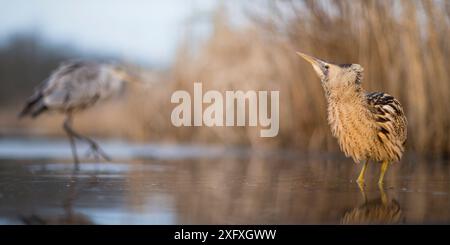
x: 368, y: 126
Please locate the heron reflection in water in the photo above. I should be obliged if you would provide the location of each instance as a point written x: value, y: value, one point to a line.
x: 70, y: 216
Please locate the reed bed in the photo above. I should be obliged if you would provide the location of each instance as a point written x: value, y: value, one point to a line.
x: 403, y: 46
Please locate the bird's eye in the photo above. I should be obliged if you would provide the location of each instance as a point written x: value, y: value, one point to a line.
x: 327, y: 66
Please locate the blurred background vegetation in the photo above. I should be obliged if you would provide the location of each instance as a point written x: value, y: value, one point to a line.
x: 403, y: 46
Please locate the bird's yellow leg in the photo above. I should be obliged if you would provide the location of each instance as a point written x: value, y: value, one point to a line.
x: 384, y: 168
x: 362, y: 189
x: 360, y: 179
x: 384, y: 199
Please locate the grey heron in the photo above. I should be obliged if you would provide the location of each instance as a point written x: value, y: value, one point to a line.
x: 75, y: 86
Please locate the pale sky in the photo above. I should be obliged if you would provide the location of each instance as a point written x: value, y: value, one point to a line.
x: 142, y: 31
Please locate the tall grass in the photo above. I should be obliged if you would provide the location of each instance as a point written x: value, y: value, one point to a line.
x: 403, y: 46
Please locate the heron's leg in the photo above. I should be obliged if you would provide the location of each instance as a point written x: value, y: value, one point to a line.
x: 360, y: 179
x: 94, y: 146
x: 96, y: 150
x: 73, y: 146
x: 74, y: 152
x: 384, y: 168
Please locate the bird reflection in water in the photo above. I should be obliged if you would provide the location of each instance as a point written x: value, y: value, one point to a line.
x: 379, y: 210
x: 69, y: 217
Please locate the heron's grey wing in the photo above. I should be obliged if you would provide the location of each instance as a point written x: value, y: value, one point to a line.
x: 73, y: 87
x: 34, y: 104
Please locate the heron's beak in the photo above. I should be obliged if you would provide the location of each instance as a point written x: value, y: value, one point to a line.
x: 133, y: 78
x: 318, y: 65
x: 128, y: 76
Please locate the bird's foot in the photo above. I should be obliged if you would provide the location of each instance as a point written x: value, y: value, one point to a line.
x: 97, y: 152
x: 361, y: 184
x: 77, y: 167
x: 360, y: 181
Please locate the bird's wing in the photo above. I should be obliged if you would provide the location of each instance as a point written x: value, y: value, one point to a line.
x: 73, y: 85
x: 34, y: 105
x: 388, y: 116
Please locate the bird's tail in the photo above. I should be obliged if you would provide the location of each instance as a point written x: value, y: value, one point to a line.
x: 34, y: 106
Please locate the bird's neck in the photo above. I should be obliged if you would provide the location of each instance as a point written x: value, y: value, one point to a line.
x: 347, y: 110
x: 352, y: 94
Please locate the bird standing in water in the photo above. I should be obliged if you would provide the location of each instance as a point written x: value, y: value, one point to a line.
x: 368, y: 126
x: 75, y: 86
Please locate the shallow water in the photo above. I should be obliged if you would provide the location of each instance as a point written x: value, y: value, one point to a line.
x: 176, y: 184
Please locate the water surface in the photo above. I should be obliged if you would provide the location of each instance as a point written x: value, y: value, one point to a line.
x: 179, y: 184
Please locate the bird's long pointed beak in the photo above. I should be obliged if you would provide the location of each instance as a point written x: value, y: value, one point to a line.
x: 134, y: 79
x: 310, y: 59
x: 131, y: 77
x: 319, y: 65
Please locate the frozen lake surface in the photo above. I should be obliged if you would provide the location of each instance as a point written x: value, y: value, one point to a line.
x: 180, y: 184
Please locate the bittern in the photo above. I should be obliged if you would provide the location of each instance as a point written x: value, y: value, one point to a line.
x: 75, y: 86
x: 368, y: 126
